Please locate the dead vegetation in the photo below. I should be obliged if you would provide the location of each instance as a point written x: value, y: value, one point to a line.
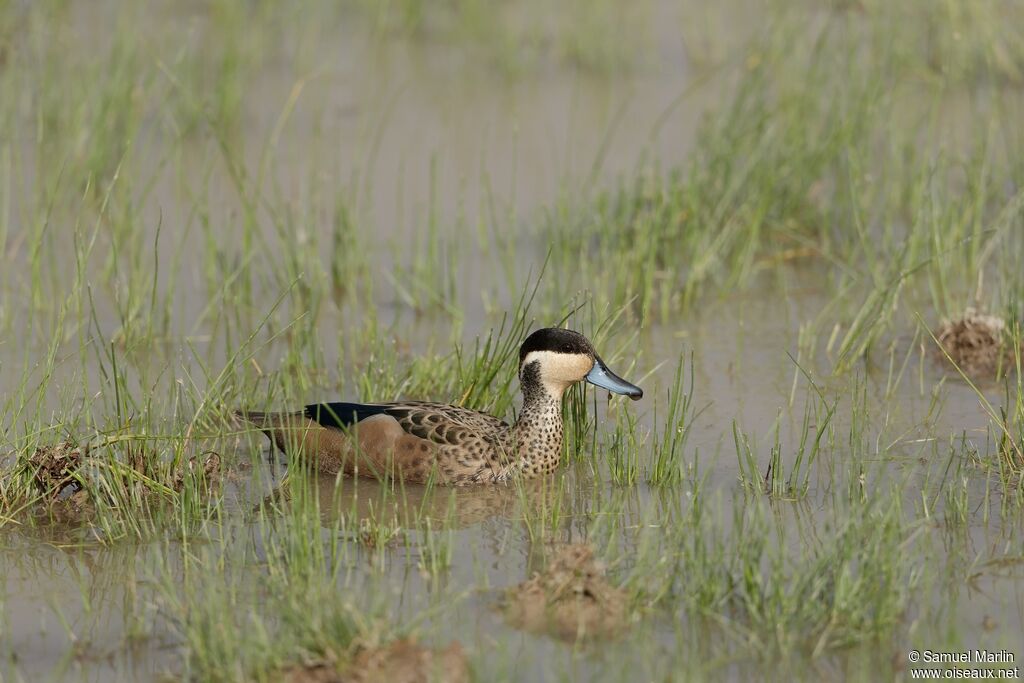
x: 67, y: 480
x: 400, y: 661
x: 54, y: 467
x: 55, y: 477
x: 977, y: 343
x: 572, y: 599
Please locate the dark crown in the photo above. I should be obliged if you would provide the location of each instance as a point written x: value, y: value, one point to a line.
x: 556, y: 339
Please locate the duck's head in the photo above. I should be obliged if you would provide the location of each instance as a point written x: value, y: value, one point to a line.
x: 557, y: 358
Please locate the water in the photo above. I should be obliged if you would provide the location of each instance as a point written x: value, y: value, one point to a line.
x: 411, y: 136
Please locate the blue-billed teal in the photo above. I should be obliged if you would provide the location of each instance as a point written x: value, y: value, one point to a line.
x: 418, y: 441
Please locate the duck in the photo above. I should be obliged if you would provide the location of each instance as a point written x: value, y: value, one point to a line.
x: 420, y: 442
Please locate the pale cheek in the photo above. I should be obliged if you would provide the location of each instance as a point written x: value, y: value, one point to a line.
x: 584, y: 366
x: 573, y: 370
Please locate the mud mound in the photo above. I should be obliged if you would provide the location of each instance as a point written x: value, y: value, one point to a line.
x: 403, y: 661
x: 572, y: 599
x: 71, y: 479
x: 209, y: 473
x: 54, y: 467
x: 316, y: 672
x: 400, y: 661
x: 976, y: 343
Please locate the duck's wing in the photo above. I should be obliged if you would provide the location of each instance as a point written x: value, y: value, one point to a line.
x: 409, y: 441
x: 435, y: 422
x: 461, y: 445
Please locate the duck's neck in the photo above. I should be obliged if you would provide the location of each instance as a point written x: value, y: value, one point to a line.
x: 538, y: 431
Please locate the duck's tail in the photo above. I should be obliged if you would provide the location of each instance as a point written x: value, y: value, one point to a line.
x: 267, y: 422
x: 257, y: 418
x: 279, y: 427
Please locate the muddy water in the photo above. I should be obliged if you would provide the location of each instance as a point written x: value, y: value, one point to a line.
x: 81, y: 611
x: 404, y: 131
x: 105, y: 596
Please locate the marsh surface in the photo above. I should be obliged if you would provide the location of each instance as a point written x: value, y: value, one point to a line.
x: 234, y: 205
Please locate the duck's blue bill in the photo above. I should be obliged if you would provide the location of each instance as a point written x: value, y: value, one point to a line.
x: 601, y: 376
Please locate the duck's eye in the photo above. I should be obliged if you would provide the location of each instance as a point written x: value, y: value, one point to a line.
x: 566, y: 348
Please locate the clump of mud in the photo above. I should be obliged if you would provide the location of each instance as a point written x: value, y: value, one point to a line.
x: 209, y: 473
x: 400, y: 661
x: 59, y: 471
x: 977, y: 343
x: 54, y: 474
x: 571, y: 599
x: 403, y: 661
x: 54, y: 467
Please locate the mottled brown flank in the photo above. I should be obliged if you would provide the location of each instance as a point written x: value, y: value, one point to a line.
x: 570, y: 600
x: 418, y: 441
x: 977, y: 344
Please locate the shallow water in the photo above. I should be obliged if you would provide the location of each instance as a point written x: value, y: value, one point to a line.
x: 101, y: 593
x: 408, y: 134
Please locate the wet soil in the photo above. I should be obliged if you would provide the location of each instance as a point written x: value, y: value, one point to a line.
x: 54, y: 467
x: 977, y: 344
x: 65, y: 482
x: 571, y: 599
x: 400, y: 661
